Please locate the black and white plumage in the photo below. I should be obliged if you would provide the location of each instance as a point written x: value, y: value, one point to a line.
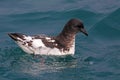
x: 62, y: 44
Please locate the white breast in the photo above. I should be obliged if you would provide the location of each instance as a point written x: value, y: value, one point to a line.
x: 55, y: 51
x: 38, y: 47
x: 37, y: 43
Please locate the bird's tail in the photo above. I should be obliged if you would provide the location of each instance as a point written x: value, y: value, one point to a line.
x: 16, y: 36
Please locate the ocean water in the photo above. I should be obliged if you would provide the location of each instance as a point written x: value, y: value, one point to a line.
x: 97, y: 57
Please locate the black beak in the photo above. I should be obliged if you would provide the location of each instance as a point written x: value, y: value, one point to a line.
x: 84, y: 31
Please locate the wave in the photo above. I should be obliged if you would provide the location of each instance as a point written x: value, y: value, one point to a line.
x: 108, y: 28
x: 14, y: 59
x: 41, y: 20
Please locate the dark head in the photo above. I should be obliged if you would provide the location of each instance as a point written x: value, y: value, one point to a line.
x: 75, y: 25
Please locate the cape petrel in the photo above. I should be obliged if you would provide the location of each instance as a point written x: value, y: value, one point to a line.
x: 62, y: 44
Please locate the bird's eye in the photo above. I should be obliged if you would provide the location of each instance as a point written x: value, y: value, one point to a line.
x: 79, y: 26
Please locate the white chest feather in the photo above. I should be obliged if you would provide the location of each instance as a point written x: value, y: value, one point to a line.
x: 38, y: 47
x: 37, y: 43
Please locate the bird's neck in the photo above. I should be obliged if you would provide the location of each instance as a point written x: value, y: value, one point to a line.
x: 66, y: 38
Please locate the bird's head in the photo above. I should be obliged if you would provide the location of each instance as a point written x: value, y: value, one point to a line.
x: 75, y: 25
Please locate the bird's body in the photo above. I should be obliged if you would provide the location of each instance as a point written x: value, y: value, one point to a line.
x: 63, y: 44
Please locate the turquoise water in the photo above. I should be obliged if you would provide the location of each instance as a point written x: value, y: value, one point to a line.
x: 97, y: 56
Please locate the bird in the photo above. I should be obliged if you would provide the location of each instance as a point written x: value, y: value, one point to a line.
x: 59, y: 45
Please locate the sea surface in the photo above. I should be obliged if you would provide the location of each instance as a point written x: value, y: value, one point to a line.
x: 97, y: 57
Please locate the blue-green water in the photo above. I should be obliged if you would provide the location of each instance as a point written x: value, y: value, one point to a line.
x: 97, y: 56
